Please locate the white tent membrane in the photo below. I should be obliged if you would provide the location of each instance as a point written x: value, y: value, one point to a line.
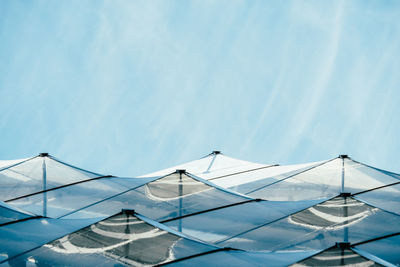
x: 337, y: 212
x: 212, y: 165
x: 327, y: 179
x: 8, y: 163
x: 229, y: 172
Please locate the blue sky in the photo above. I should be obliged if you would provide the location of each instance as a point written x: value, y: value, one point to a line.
x: 130, y: 87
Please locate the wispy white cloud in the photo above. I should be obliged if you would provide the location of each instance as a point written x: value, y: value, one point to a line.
x: 137, y: 86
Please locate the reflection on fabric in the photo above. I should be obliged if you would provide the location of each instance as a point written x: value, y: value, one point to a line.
x: 174, y: 186
x: 333, y: 214
x: 123, y: 237
x: 337, y: 257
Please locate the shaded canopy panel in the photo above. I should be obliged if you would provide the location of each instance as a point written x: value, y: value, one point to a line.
x: 337, y: 256
x: 162, y: 198
x: 123, y: 239
x: 10, y: 214
x: 220, y: 224
x: 171, y: 196
x: 57, y: 202
x: 244, y: 258
x: 21, y: 236
x: 386, y: 198
x: 341, y: 219
x: 387, y: 248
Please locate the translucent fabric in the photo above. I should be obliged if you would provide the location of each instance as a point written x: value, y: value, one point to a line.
x: 21, y: 179
x: 132, y: 182
x: 338, y: 220
x: 360, y: 177
x: 162, y: 200
x: 386, y: 198
x: 62, y: 173
x: 228, y: 172
x: 254, y: 180
x: 38, y: 174
x: 120, y: 239
x: 337, y: 257
x: 58, y: 202
x: 220, y: 224
x: 9, y: 214
x: 244, y: 258
x: 8, y: 163
x: 211, y: 166
x: 174, y: 186
x: 323, y: 181
x: 221, y: 165
x: 308, y: 209
x: 19, y: 237
x: 319, y: 181
x: 387, y: 249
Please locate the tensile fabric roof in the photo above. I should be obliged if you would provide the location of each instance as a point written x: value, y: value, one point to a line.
x: 214, y: 211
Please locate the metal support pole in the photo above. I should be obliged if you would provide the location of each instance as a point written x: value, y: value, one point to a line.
x: 345, y: 195
x: 342, y: 175
x: 346, y: 229
x: 44, y: 178
x: 342, y: 263
x: 127, y: 232
x: 215, y: 154
x: 180, y: 201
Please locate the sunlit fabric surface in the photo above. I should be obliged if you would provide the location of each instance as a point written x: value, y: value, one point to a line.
x: 320, y: 181
x: 229, y: 172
